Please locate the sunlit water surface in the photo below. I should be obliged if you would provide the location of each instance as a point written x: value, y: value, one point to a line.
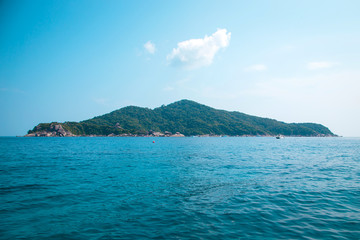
x: 179, y: 188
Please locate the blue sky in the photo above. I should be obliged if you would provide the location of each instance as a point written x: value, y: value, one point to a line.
x: 295, y: 61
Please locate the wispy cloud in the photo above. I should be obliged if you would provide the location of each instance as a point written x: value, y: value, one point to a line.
x: 168, y: 89
x: 180, y: 84
x: 11, y: 90
x: 150, y: 47
x: 312, y: 89
x: 183, y: 81
x: 320, y: 65
x: 256, y: 68
x: 195, y: 53
x: 101, y: 101
x: 289, y: 47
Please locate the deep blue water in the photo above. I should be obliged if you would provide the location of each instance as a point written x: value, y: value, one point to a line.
x: 179, y: 188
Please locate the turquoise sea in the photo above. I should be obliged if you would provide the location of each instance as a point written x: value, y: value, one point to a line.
x: 179, y: 188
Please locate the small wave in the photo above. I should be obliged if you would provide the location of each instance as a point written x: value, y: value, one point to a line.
x: 25, y: 187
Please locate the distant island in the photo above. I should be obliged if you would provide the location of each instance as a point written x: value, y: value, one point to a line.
x: 178, y: 119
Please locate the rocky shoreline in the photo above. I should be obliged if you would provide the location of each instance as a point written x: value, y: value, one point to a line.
x: 158, y: 134
x: 57, y: 130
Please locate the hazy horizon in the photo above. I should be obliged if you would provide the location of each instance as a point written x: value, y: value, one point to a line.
x: 73, y: 60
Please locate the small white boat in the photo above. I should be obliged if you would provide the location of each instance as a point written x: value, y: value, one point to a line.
x: 279, y: 136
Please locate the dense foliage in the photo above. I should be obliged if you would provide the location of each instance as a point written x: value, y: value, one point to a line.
x: 189, y: 118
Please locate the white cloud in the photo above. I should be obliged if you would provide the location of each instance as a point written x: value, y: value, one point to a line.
x: 200, y: 52
x: 150, y: 47
x: 257, y: 68
x: 319, y: 65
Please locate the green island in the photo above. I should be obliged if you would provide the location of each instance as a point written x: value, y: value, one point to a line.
x: 178, y: 119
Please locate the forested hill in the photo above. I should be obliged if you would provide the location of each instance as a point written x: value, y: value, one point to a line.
x: 185, y: 116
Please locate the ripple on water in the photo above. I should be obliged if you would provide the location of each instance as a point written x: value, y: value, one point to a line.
x: 185, y: 188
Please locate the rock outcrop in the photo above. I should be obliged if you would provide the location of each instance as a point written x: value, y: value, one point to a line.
x: 52, y: 130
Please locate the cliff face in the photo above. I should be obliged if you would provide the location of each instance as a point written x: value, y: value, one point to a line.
x: 185, y: 117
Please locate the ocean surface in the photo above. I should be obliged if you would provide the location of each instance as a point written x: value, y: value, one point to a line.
x: 179, y: 188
